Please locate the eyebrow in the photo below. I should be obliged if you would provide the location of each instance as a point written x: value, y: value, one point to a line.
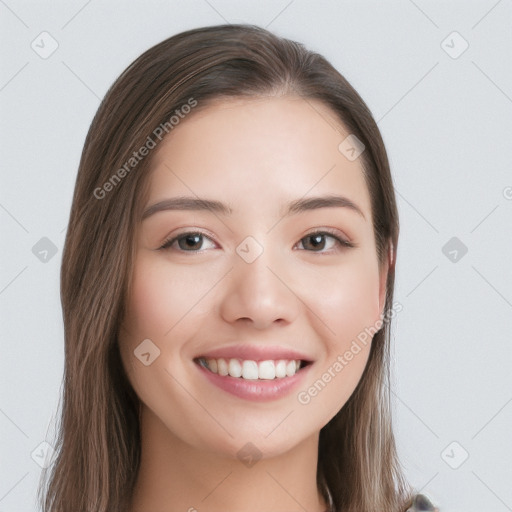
x: 294, y: 207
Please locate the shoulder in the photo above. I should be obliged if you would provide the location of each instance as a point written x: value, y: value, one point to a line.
x: 422, y: 503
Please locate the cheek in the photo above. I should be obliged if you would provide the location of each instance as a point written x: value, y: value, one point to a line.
x: 167, y: 303
x: 146, y: 303
x: 346, y: 299
x: 160, y: 297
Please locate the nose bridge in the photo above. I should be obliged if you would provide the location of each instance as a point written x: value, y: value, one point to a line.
x: 253, y: 271
x: 258, y: 291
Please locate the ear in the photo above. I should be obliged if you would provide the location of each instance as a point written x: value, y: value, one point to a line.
x: 388, y: 264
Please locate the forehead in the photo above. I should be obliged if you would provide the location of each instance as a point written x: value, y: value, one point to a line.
x: 256, y: 152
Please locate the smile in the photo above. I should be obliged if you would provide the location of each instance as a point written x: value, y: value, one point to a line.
x: 258, y: 381
x: 252, y: 370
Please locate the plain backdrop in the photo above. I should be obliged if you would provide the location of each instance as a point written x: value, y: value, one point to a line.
x: 437, y: 77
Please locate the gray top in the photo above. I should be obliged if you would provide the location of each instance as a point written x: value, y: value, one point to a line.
x: 422, y: 504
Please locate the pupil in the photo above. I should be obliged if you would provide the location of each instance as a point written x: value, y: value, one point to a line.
x: 317, y: 240
x: 192, y: 240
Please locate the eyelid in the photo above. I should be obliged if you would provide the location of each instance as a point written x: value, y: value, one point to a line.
x: 331, y: 231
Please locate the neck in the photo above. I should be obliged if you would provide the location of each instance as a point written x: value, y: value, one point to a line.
x: 175, y: 476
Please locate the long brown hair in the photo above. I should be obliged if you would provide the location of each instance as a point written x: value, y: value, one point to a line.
x: 98, y: 445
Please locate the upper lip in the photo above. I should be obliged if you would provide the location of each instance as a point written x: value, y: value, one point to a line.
x: 255, y: 353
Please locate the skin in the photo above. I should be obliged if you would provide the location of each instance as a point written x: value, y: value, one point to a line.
x: 255, y: 155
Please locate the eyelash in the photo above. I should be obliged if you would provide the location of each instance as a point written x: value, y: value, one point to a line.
x: 340, y: 241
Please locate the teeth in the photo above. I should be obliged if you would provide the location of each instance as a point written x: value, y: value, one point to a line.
x: 281, y: 369
x: 249, y: 370
x: 267, y: 370
x: 252, y: 370
x: 222, y: 367
x: 290, y: 368
x: 235, y: 368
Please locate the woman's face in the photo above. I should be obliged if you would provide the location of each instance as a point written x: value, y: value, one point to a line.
x: 258, y: 283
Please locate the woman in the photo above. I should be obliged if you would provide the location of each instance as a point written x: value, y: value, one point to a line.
x: 227, y: 286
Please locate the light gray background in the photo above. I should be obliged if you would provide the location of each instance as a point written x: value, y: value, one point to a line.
x: 447, y: 125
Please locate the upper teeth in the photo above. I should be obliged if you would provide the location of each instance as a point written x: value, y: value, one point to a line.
x: 252, y: 370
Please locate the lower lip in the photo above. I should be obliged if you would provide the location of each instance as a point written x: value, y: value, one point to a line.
x: 256, y: 390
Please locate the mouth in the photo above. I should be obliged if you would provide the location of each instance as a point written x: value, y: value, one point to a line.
x: 258, y: 373
x: 248, y: 369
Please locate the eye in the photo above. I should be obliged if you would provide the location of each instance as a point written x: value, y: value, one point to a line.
x: 187, y: 242
x: 192, y: 241
x: 316, y: 240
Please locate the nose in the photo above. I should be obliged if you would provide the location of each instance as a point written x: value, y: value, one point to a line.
x: 259, y: 293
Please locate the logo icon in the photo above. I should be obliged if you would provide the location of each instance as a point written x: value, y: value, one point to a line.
x: 249, y: 455
x: 249, y: 249
x: 44, y: 250
x: 43, y: 455
x: 351, y: 147
x: 454, y: 455
x: 454, y: 45
x: 44, y: 45
x: 146, y: 352
x: 454, y: 249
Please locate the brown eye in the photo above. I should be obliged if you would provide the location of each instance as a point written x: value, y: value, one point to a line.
x: 316, y: 242
x: 187, y: 242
